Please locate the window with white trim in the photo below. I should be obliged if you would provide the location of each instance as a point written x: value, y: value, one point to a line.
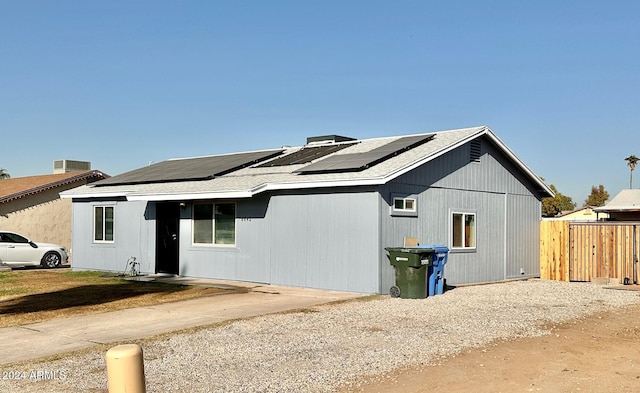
x: 463, y: 230
x: 404, y: 205
x: 214, y: 223
x: 103, y: 224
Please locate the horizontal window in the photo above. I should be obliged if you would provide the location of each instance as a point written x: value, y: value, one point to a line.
x: 404, y: 204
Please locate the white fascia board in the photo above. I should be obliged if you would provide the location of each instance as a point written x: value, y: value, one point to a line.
x: 607, y: 209
x: 317, y: 184
x: 191, y: 196
x: 64, y: 195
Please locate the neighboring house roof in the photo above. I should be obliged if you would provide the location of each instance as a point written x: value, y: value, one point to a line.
x: 19, y: 187
x: 584, y: 209
x: 626, y: 201
x: 373, y: 161
x: 584, y: 213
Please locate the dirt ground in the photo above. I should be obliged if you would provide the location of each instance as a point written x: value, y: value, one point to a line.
x: 600, y: 353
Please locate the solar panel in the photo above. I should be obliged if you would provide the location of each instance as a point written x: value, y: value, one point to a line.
x: 306, y: 154
x: 360, y: 161
x: 200, y: 168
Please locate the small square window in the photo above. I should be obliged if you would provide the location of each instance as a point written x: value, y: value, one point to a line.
x: 404, y: 204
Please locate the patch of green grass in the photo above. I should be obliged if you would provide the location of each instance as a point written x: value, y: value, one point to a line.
x: 8, y: 285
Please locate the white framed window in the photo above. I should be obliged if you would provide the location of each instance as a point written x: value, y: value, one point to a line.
x: 463, y: 231
x: 214, y: 224
x: 103, y: 224
x: 404, y: 204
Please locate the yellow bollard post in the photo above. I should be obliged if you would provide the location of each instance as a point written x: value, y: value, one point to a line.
x: 125, y: 369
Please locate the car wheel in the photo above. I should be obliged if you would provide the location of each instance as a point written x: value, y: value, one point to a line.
x: 51, y: 259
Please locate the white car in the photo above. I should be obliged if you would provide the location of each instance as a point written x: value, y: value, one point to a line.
x: 17, y: 250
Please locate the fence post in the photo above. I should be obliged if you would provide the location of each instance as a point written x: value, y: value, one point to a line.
x: 125, y: 369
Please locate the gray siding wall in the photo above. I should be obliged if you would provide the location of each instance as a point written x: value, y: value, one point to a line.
x: 506, y: 207
x: 326, y: 240
x: 134, y: 236
x: 523, y: 237
x: 317, y: 240
x: 248, y: 260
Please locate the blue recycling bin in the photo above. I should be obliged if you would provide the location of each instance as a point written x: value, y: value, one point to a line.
x: 435, y: 271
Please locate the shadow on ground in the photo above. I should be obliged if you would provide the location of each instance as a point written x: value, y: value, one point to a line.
x: 86, y: 295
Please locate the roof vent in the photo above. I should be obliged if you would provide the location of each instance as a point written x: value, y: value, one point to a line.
x: 65, y: 166
x: 317, y: 140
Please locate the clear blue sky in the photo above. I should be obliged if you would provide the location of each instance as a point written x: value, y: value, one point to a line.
x: 124, y: 83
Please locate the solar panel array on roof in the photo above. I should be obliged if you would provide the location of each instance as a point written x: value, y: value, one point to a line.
x: 360, y: 161
x: 306, y: 154
x: 200, y: 168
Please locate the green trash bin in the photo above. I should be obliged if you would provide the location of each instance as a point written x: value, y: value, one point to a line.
x: 411, y: 271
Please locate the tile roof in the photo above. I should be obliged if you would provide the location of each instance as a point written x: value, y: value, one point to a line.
x: 255, y: 179
x: 18, y: 187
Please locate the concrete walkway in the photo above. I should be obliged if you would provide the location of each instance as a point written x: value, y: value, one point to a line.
x: 67, y: 334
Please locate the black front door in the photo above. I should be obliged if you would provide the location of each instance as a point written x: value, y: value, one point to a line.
x: 167, y: 236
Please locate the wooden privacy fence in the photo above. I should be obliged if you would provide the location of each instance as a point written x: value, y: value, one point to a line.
x: 577, y: 251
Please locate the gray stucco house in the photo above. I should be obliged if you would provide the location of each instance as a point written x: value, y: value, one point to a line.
x: 319, y: 215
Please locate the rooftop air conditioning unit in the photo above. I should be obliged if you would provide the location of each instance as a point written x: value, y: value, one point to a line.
x: 64, y: 166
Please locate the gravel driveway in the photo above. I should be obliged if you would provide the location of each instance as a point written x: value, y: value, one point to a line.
x: 330, y: 346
